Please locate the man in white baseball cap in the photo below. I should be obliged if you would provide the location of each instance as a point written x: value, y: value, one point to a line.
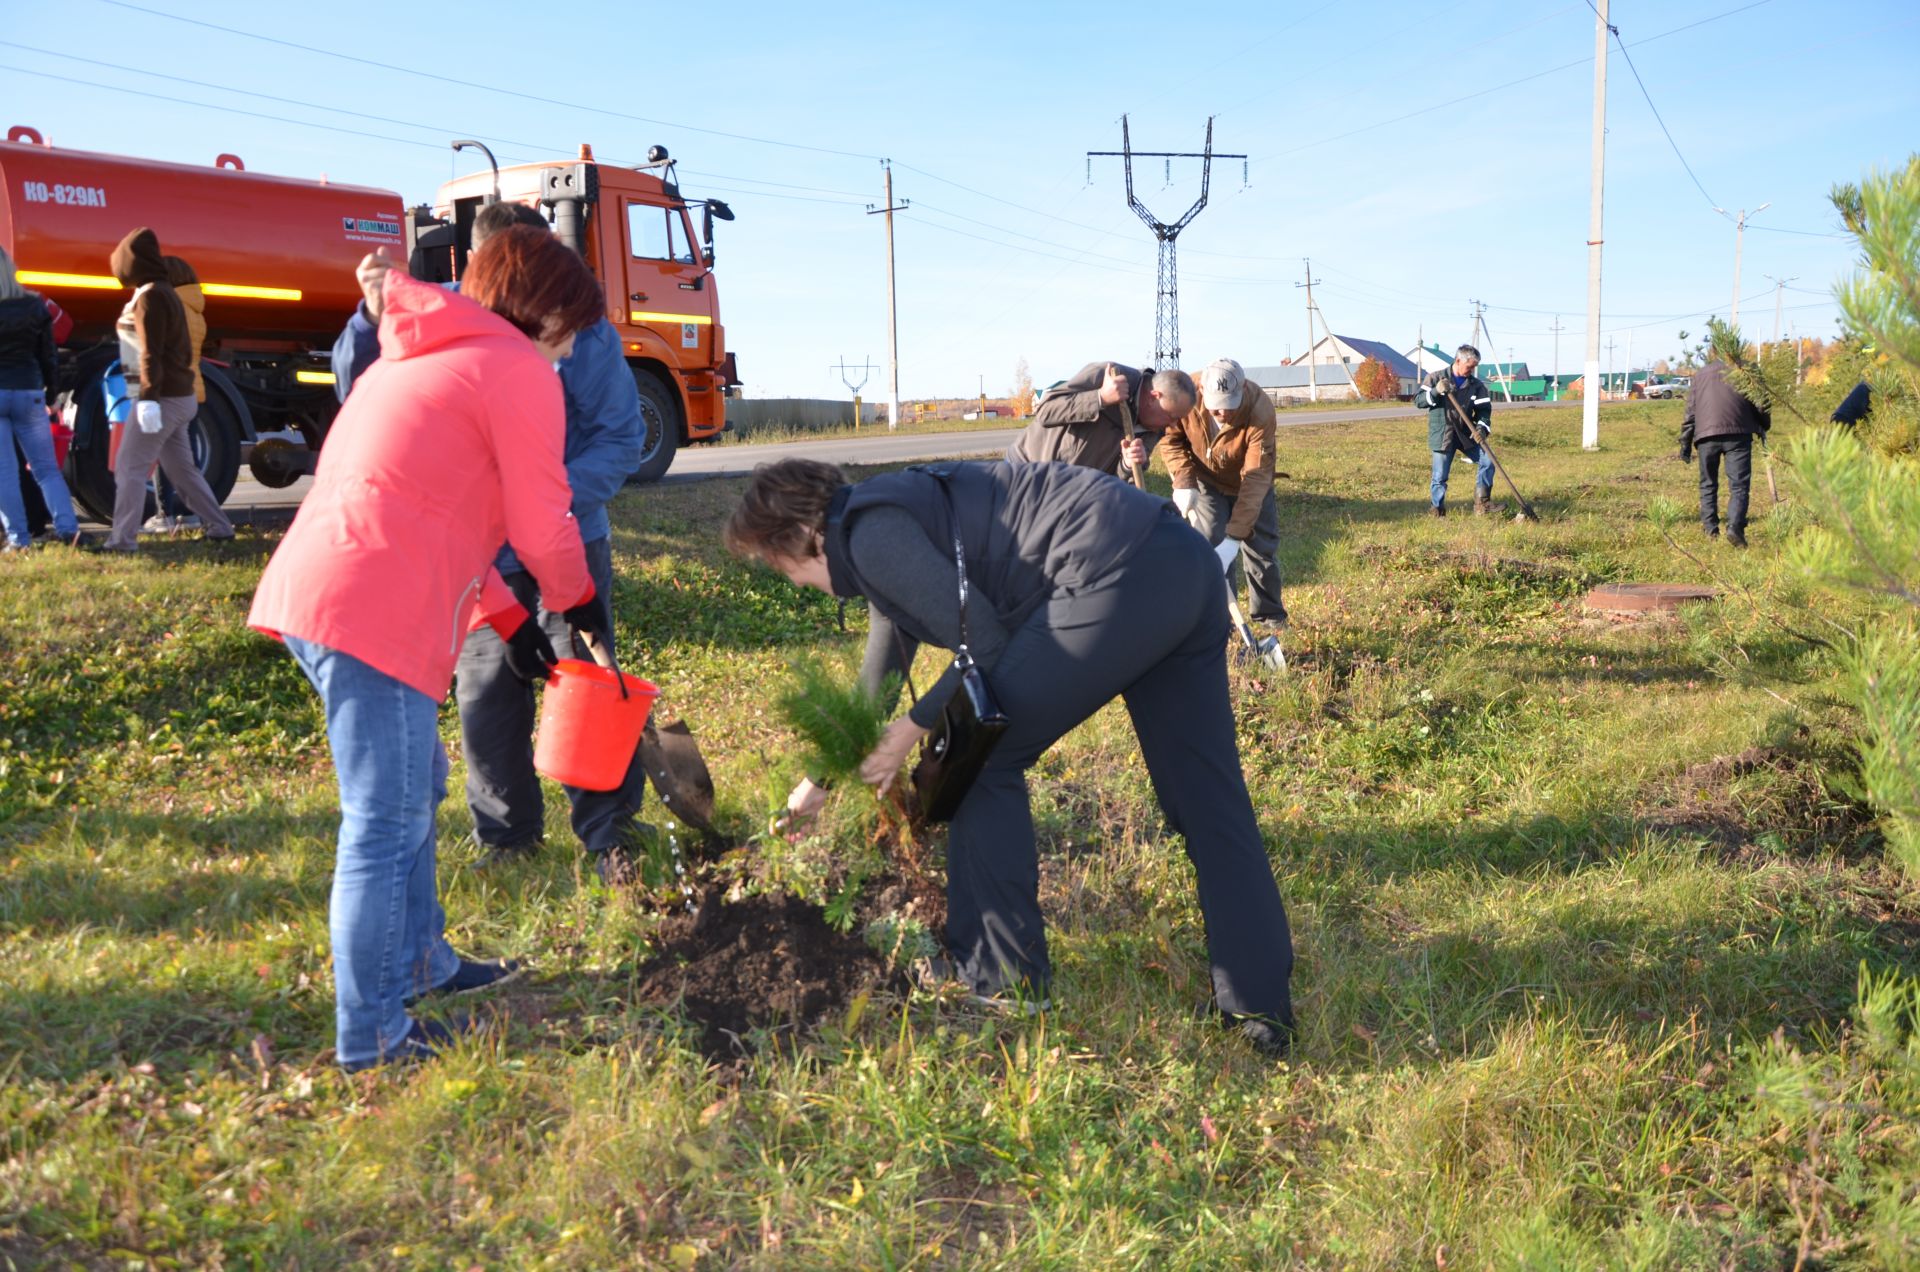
x: 1221, y: 457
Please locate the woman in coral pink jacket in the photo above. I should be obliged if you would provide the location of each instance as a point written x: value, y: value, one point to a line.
x: 450, y: 446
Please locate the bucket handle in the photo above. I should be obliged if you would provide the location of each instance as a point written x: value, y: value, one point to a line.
x: 603, y: 655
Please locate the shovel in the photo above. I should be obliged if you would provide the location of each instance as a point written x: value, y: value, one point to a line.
x: 1462, y: 425
x: 669, y: 756
x: 1266, y: 650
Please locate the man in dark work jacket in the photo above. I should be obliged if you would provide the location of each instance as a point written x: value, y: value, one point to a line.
x: 1106, y: 417
x: 1721, y: 423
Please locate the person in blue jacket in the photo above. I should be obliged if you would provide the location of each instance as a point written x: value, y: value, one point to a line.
x: 497, y: 709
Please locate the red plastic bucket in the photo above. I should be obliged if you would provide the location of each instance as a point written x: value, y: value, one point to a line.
x: 588, y: 732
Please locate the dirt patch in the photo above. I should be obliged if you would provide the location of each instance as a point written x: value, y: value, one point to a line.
x: 765, y: 963
x: 1791, y: 811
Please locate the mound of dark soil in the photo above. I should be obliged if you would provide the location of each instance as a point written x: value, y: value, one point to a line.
x: 763, y: 963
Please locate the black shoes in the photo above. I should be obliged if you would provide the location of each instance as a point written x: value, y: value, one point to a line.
x: 1736, y: 538
x: 427, y: 1039
x: 472, y: 976
x: 938, y: 976
x: 1437, y: 510
x: 517, y: 853
x: 616, y: 867
x: 1268, y: 1036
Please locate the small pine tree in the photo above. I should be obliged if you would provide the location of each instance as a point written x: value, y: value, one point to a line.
x: 839, y: 724
x: 1866, y: 503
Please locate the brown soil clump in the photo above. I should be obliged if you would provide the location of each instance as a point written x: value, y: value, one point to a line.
x: 768, y: 962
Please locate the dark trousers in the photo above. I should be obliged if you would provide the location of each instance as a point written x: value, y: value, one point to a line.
x: 497, y: 714
x: 1738, y: 452
x: 1211, y: 512
x: 1154, y: 632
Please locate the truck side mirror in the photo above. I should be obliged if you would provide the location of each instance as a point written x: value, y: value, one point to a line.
x: 712, y: 210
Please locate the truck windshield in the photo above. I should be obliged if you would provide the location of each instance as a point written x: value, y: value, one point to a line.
x: 658, y: 234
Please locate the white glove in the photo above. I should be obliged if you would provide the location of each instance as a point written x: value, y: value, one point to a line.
x: 146, y: 414
x: 1228, y: 550
x: 1183, y: 500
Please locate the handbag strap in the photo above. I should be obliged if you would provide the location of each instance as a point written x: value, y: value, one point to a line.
x: 962, y: 655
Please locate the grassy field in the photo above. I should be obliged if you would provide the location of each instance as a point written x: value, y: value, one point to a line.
x: 765, y: 434
x: 1584, y: 913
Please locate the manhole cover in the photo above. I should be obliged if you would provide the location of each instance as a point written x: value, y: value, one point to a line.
x: 1638, y: 598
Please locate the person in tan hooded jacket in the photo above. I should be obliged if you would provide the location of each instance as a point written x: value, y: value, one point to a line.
x: 1220, y: 456
x: 157, y: 341
x: 186, y: 285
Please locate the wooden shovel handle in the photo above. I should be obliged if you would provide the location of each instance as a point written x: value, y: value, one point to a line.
x: 603, y: 655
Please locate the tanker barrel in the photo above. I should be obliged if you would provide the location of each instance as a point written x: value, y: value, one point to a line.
x: 570, y: 191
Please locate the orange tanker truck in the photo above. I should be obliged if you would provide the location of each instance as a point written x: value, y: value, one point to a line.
x: 276, y: 256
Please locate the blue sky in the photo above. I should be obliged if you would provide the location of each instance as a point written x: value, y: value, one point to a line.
x: 1410, y: 201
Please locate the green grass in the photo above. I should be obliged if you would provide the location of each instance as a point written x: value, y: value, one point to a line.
x: 769, y: 434
x: 1572, y: 993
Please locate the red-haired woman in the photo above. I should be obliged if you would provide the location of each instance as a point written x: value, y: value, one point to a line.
x: 449, y: 446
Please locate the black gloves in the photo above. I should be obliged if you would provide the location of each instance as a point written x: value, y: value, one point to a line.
x: 530, y: 654
x: 589, y: 618
x: 1686, y: 453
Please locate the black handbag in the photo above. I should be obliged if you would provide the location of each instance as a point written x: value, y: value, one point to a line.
x: 971, y: 723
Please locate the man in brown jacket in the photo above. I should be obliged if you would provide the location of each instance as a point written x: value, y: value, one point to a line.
x: 1106, y: 417
x: 156, y: 356
x: 1221, y: 458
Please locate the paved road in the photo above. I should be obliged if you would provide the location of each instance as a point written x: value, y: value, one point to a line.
x: 698, y: 463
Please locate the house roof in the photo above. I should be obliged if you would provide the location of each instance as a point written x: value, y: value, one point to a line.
x: 1517, y: 370
x: 1396, y: 362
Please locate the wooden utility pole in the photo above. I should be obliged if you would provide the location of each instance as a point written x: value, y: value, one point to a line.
x: 893, y: 320
x: 1590, y: 403
x: 1313, y: 376
x: 1556, y: 329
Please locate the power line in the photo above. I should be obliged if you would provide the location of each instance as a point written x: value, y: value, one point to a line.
x: 485, y: 88
x: 1628, y: 58
x: 1428, y: 110
x: 537, y: 148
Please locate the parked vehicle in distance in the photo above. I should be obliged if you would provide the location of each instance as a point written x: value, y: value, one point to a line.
x: 1673, y: 387
x: 276, y: 259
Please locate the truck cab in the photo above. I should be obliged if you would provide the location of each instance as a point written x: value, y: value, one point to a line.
x: 636, y: 231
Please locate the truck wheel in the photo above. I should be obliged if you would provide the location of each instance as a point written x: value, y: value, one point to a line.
x: 660, y: 427
x: 214, y: 436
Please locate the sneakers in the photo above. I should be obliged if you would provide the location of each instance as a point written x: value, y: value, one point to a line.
x: 472, y: 976
x: 517, y: 853
x: 425, y: 1040
x: 938, y: 976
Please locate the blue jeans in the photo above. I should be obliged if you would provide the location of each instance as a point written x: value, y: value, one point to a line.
x: 385, y: 919
x: 23, y: 420
x: 1443, y: 464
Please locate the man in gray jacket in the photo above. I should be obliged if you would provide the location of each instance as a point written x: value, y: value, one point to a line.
x: 1721, y: 422
x: 1107, y: 417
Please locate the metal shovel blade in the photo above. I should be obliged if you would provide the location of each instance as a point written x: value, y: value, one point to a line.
x: 678, y: 772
